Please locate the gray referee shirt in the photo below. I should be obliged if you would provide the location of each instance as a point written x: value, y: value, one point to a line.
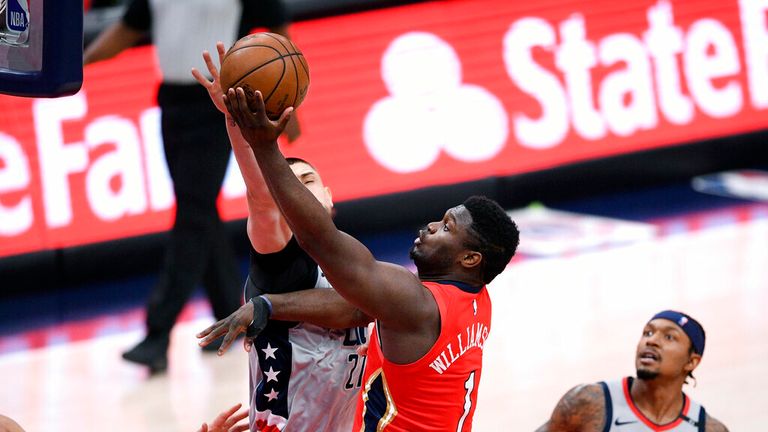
x: 182, y: 29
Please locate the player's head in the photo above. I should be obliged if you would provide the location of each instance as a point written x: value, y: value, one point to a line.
x: 311, y: 178
x: 477, y: 238
x: 7, y: 424
x: 671, y: 346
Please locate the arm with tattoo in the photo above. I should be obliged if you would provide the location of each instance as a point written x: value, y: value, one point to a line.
x: 581, y: 409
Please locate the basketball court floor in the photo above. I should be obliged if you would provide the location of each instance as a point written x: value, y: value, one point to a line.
x: 564, y: 316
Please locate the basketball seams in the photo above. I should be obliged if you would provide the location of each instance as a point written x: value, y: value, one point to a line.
x: 268, y: 72
x: 277, y: 84
x: 296, y: 81
x: 303, y: 61
x: 239, y: 80
x: 233, y: 49
x: 295, y: 71
x: 281, y: 43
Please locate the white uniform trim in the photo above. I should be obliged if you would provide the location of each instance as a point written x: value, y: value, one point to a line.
x: 624, y: 416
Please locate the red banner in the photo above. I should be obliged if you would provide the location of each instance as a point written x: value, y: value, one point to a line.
x: 403, y: 98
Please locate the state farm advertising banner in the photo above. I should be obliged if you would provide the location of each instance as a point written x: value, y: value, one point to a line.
x: 428, y: 94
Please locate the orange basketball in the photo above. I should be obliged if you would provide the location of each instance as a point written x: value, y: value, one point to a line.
x: 270, y: 63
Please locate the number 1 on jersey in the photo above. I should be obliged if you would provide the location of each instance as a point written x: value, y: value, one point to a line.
x: 469, y: 385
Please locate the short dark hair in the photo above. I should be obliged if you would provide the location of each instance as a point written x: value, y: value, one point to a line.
x: 495, y: 233
x: 295, y: 160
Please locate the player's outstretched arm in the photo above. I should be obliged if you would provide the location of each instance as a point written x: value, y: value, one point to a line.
x: 322, y: 307
x: 714, y: 425
x: 267, y: 230
x: 384, y: 291
x: 581, y: 409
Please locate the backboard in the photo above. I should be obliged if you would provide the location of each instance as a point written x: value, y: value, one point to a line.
x: 41, y: 47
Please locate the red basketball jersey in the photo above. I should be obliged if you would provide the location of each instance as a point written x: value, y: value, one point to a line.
x: 438, y: 392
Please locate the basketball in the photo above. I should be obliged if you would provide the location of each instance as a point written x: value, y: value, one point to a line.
x: 269, y: 63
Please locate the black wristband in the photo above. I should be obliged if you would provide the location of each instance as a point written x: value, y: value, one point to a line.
x: 261, y: 312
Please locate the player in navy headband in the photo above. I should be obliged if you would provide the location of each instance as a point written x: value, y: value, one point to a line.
x: 669, y: 350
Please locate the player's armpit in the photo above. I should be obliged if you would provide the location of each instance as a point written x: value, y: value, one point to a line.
x: 714, y: 425
x: 581, y: 409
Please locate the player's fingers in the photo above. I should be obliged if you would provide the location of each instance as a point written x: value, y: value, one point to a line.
x: 241, y: 415
x: 223, y: 418
x: 220, y: 49
x: 229, y: 99
x: 199, y: 77
x: 212, y: 337
x: 203, y: 428
x: 210, y: 328
x: 246, y: 115
x: 285, y: 118
x: 226, y: 414
x: 209, y: 64
x: 215, y: 334
x: 228, y: 339
x: 234, y: 99
x: 261, y: 110
x: 239, y: 428
x: 233, y: 420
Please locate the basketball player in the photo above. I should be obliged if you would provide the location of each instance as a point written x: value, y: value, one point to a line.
x: 295, y: 363
x: 425, y: 356
x: 669, y: 350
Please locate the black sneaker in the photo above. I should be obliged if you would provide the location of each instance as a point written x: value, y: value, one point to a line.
x: 151, y: 352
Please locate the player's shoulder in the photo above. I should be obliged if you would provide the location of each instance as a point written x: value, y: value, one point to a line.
x: 714, y: 425
x: 581, y: 408
x: 586, y: 395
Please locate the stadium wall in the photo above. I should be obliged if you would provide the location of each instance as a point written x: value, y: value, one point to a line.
x: 411, y: 109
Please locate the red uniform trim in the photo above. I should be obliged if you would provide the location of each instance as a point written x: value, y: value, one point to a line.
x: 646, y: 420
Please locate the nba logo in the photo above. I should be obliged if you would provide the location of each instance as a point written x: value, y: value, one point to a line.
x: 17, y: 16
x: 682, y: 321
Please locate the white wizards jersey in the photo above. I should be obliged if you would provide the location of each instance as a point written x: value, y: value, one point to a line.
x: 304, y: 377
x: 623, y: 416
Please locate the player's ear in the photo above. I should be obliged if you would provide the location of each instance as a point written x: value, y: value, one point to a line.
x: 693, y: 363
x: 471, y: 259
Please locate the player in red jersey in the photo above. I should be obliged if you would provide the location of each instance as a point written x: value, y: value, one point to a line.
x: 425, y: 357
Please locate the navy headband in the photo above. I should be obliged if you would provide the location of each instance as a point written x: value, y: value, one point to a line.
x: 690, y: 326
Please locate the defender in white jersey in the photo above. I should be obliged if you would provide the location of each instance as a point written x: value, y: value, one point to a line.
x: 304, y: 377
x: 669, y: 350
x: 305, y: 372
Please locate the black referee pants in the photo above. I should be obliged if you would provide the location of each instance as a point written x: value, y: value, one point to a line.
x: 197, y: 151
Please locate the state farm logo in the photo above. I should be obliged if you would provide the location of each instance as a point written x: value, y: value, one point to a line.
x: 430, y: 109
x: 610, y: 86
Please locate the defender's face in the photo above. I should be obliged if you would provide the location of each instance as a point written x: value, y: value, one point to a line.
x: 441, y: 242
x: 663, y: 350
x: 311, y: 179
